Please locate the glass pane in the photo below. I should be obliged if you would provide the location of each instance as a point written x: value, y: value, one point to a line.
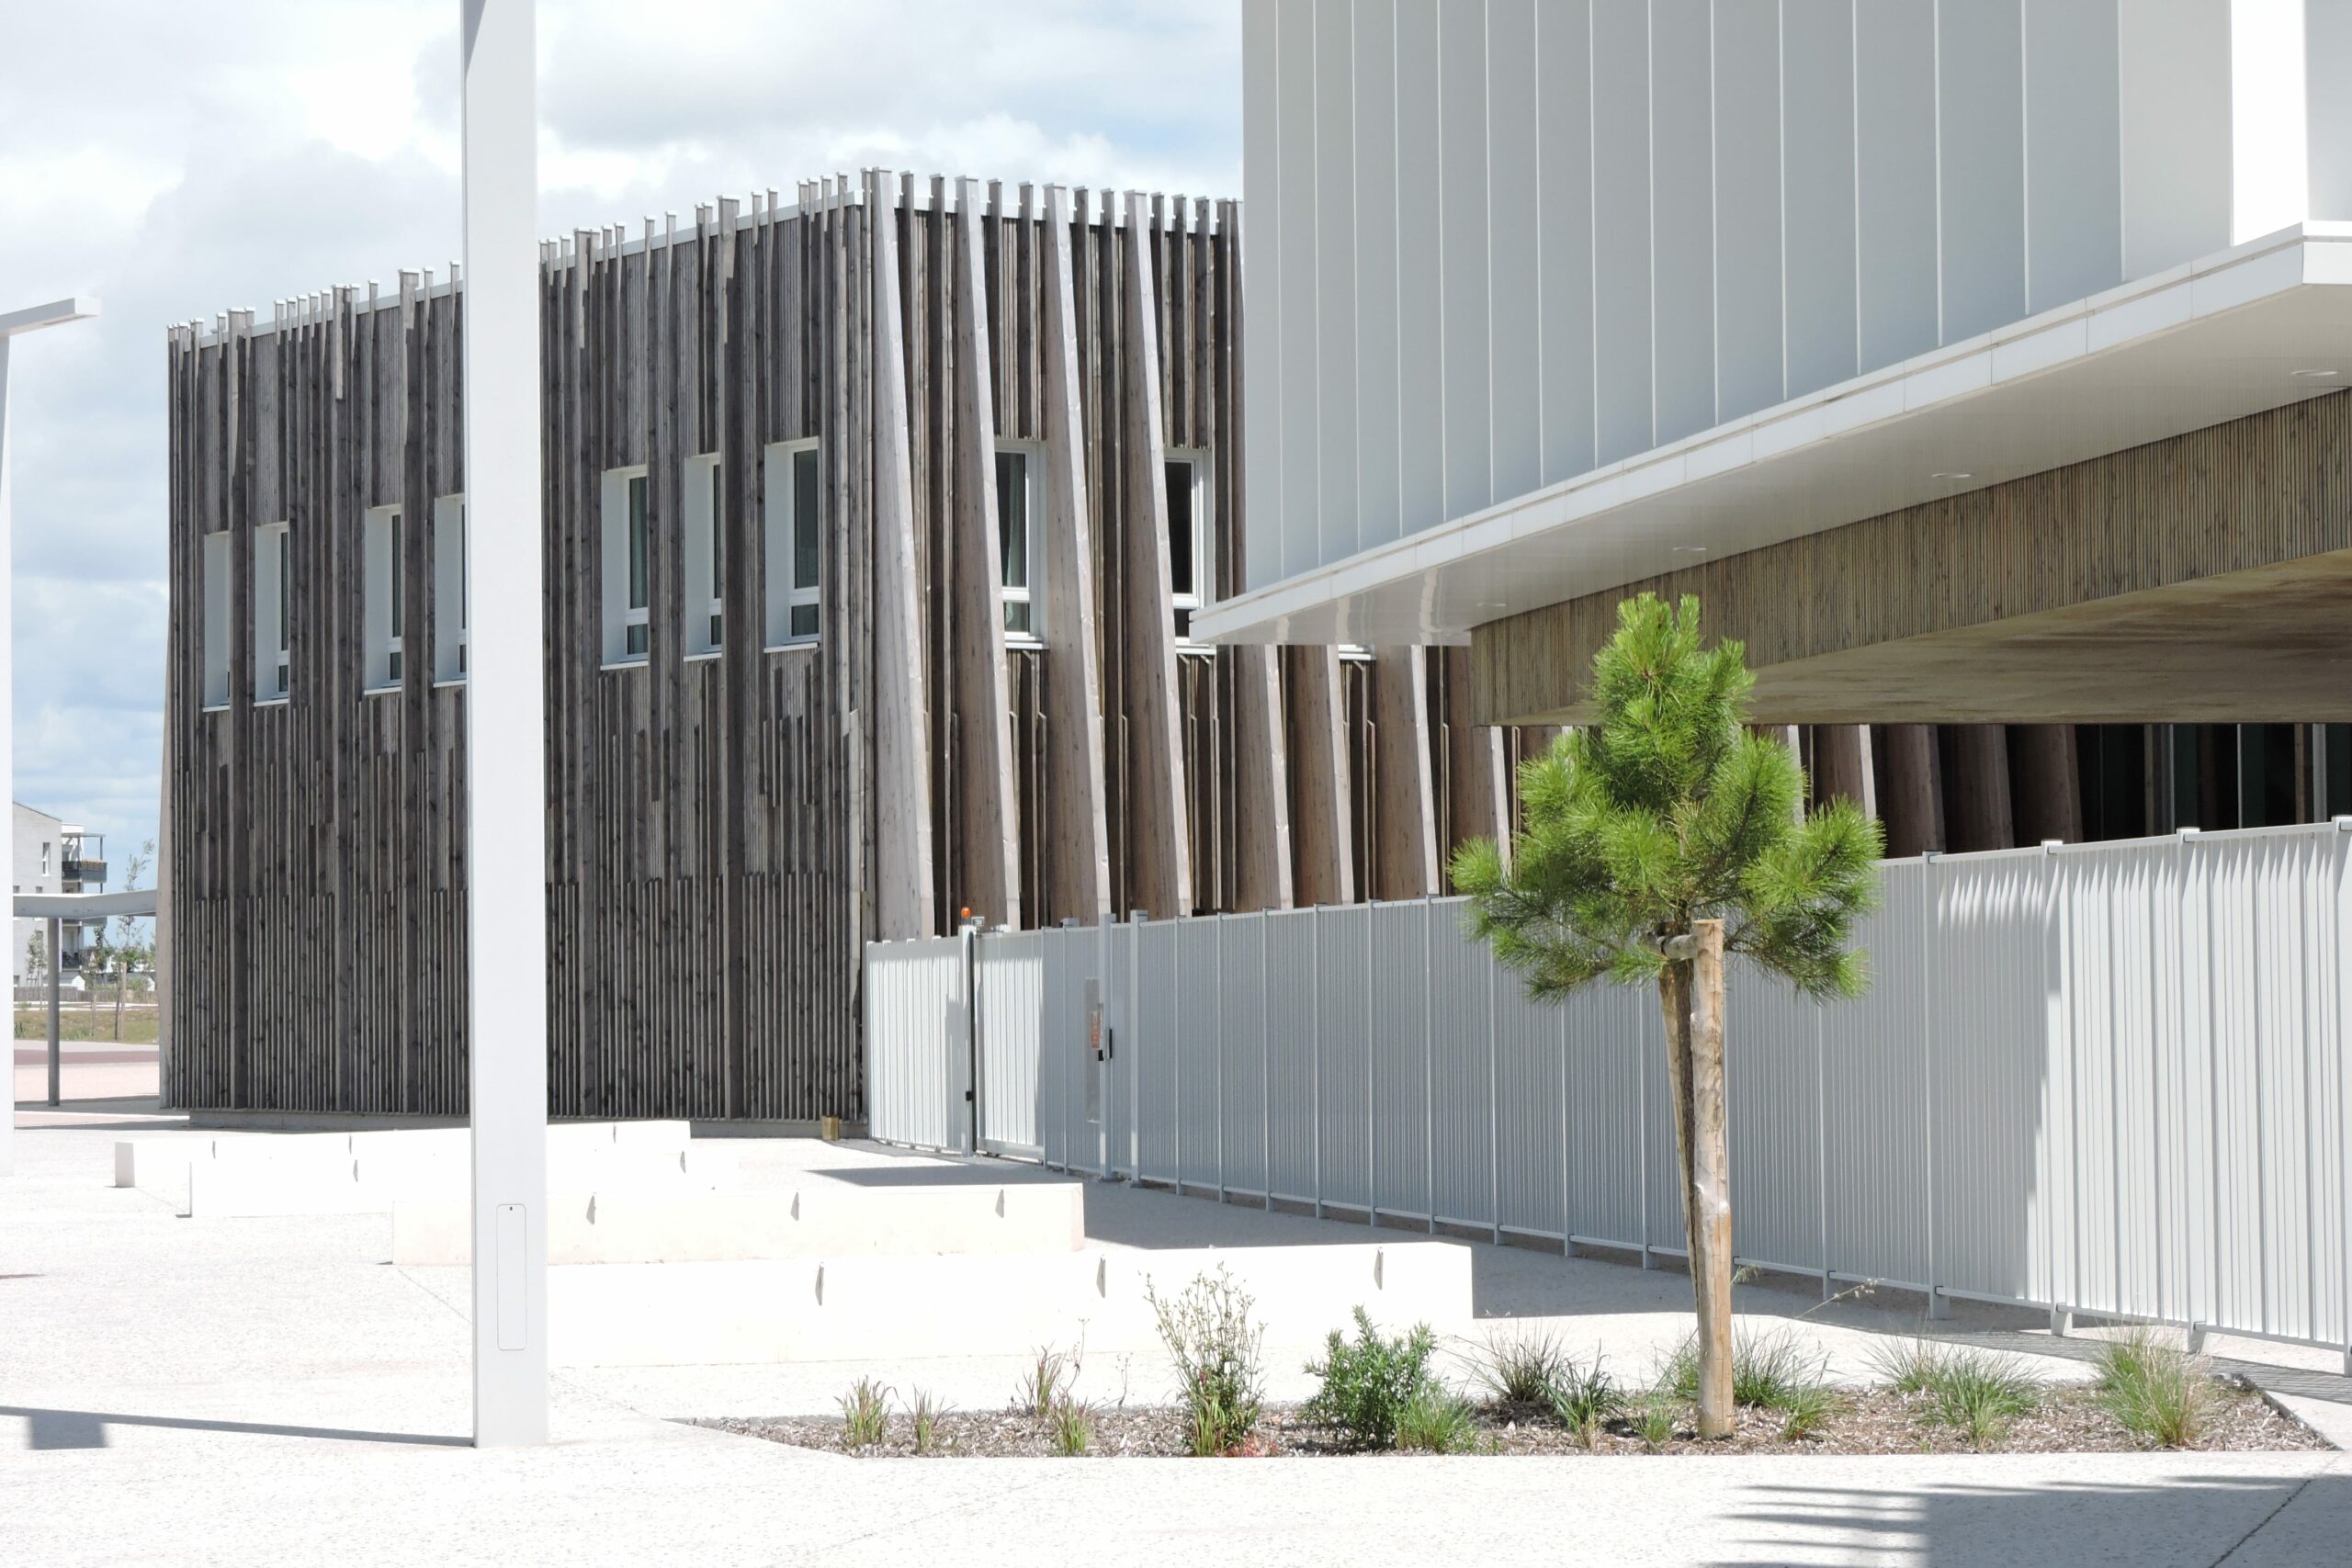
x: 284, y: 580
x: 635, y: 638
x: 717, y: 534
x: 804, y: 620
x: 1012, y: 524
x: 392, y: 666
x: 392, y: 566
x: 1180, y: 529
x: 805, y: 519
x: 464, y: 589
x: 636, y: 544
x: 714, y: 637
x: 1016, y: 615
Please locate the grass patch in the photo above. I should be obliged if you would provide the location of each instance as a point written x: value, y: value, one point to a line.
x: 1652, y: 1419
x: 924, y: 1414
x: 1070, y: 1425
x: 866, y: 1411
x: 1521, y: 1369
x: 2160, y: 1394
x: 1046, y: 1383
x: 1437, y: 1422
x: 1973, y: 1390
x: 1585, y: 1399
x: 1770, y: 1370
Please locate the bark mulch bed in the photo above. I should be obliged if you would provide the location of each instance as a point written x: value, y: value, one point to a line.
x: 1864, y: 1421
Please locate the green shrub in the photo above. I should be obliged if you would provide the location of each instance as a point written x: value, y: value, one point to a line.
x: 866, y: 1411
x: 1215, y: 1345
x: 1367, y: 1385
x: 1436, y: 1422
x: 2162, y: 1395
x: 1046, y: 1383
x: 1070, y: 1425
x: 1584, y: 1399
x: 1521, y: 1369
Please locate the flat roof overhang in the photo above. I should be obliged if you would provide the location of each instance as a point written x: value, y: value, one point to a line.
x: 2200, y: 344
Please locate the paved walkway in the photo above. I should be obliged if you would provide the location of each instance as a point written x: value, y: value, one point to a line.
x: 267, y: 1390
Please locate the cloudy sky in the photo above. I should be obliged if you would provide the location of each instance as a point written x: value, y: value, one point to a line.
x: 178, y: 159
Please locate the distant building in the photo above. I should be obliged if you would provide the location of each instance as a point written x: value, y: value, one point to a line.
x: 54, y: 856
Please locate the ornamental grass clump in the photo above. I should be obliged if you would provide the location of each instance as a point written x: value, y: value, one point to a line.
x: 1215, y: 1345
x: 1437, y: 1422
x: 1973, y: 1390
x: 1369, y: 1383
x: 1070, y: 1427
x: 1586, y: 1399
x: 1522, y: 1371
x: 924, y: 1414
x: 2160, y: 1394
x: 865, y: 1412
x: 1045, y: 1384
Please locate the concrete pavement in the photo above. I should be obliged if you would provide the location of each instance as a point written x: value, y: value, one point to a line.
x: 271, y: 1390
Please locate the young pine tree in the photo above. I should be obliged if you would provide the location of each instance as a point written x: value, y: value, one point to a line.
x: 1657, y: 839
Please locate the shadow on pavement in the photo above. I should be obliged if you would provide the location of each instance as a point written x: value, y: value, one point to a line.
x: 88, y: 1428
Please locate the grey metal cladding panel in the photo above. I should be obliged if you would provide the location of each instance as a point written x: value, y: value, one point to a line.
x: 1011, y: 1001
x: 1335, y: 231
x: 1261, y: 274
x: 1420, y: 344
x: 1817, y: 106
x: 1400, y: 1035
x: 1531, y: 1120
x: 1199, y: 1017
x: 1464, y: 245
x: 1153, y: 1021
x: 1661, y: 1170
x: 1514, y: 186
x: 1065, y: 962
x: 1300, y: 443
x: 1605, y: 1047
x: 1872, y: 1050
x: 1377, y: 475
x: 1461, y: 977
x: 1242, y: 1061
x: 1621, y: 207
x: 1894, y: 178
x: 1991, y: 944
x: 2074, y: 203
x: 1564, y: 201
x: 1291, y: 1073
x: 1773, y: 1082
x: 1682, y: 217
x: 1748, y: 306
x: 915, y: 986
x: 1343, y: 997
x: 1980, y: 148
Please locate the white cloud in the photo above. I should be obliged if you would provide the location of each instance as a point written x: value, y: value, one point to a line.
x: 177, y: 161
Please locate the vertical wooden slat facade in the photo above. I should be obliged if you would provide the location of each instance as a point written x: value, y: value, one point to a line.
x: 727, y: 828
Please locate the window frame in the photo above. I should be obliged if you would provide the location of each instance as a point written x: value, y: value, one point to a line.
x: 621, y: 616
x: 451, y: 645
x: 1185, y: 605
x: 705, y: 556
x: 273, y: 613
x: 782, y: 595
x: 384, y: 600
x: 217, y: 563
x: 1031, y: 593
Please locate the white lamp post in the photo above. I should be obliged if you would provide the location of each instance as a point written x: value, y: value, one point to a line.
x: 506, y: 1017
x: 13, y: 325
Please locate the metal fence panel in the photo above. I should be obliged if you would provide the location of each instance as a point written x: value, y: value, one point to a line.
x: 1773, y: 1083
x: 1152, y: 1026
x: 1243, y: 1058
x: 1199, y: 1064
x: 1531, y: 1121
x: 1008, y: 994
x: 1874, y: 1051
x: 1461, y: 981
x: 1605, y: 1048
x: 1344, y: 1076
x: 1293, y: 1073
x: 1399, y: 938
x: 914, y: 1000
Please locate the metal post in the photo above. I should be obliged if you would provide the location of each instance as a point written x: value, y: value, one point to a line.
x: 1938, y: 1307
x: 13, y: 323
x: 56, y: 956
x: 1315, y: 1032
x: 1429, y: 1070
x: 505, y: 726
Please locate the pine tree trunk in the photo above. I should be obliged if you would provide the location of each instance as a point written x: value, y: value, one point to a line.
x: 1691, y: 998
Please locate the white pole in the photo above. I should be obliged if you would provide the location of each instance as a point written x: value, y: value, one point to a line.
x: 505, y: 729
x: 12, y: 323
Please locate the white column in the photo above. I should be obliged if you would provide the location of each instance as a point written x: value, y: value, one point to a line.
x: 505, y: 730
x: 12, y: 323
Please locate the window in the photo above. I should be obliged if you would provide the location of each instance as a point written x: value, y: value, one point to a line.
x: 44, y: 857
x: 794, y: 544
x: 381, y: 563
x: 627, y: 637
x: 1019, y: 472
x: 273, y: 607
x: 704, y: 617
x: 217, y: 566
x: 449, y: 588
x: 1190, y: 566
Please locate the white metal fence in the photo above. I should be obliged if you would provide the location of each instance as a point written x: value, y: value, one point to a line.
x: 2109, y: 1078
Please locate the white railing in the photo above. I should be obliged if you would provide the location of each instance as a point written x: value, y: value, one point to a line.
x: 2109, y: 1078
